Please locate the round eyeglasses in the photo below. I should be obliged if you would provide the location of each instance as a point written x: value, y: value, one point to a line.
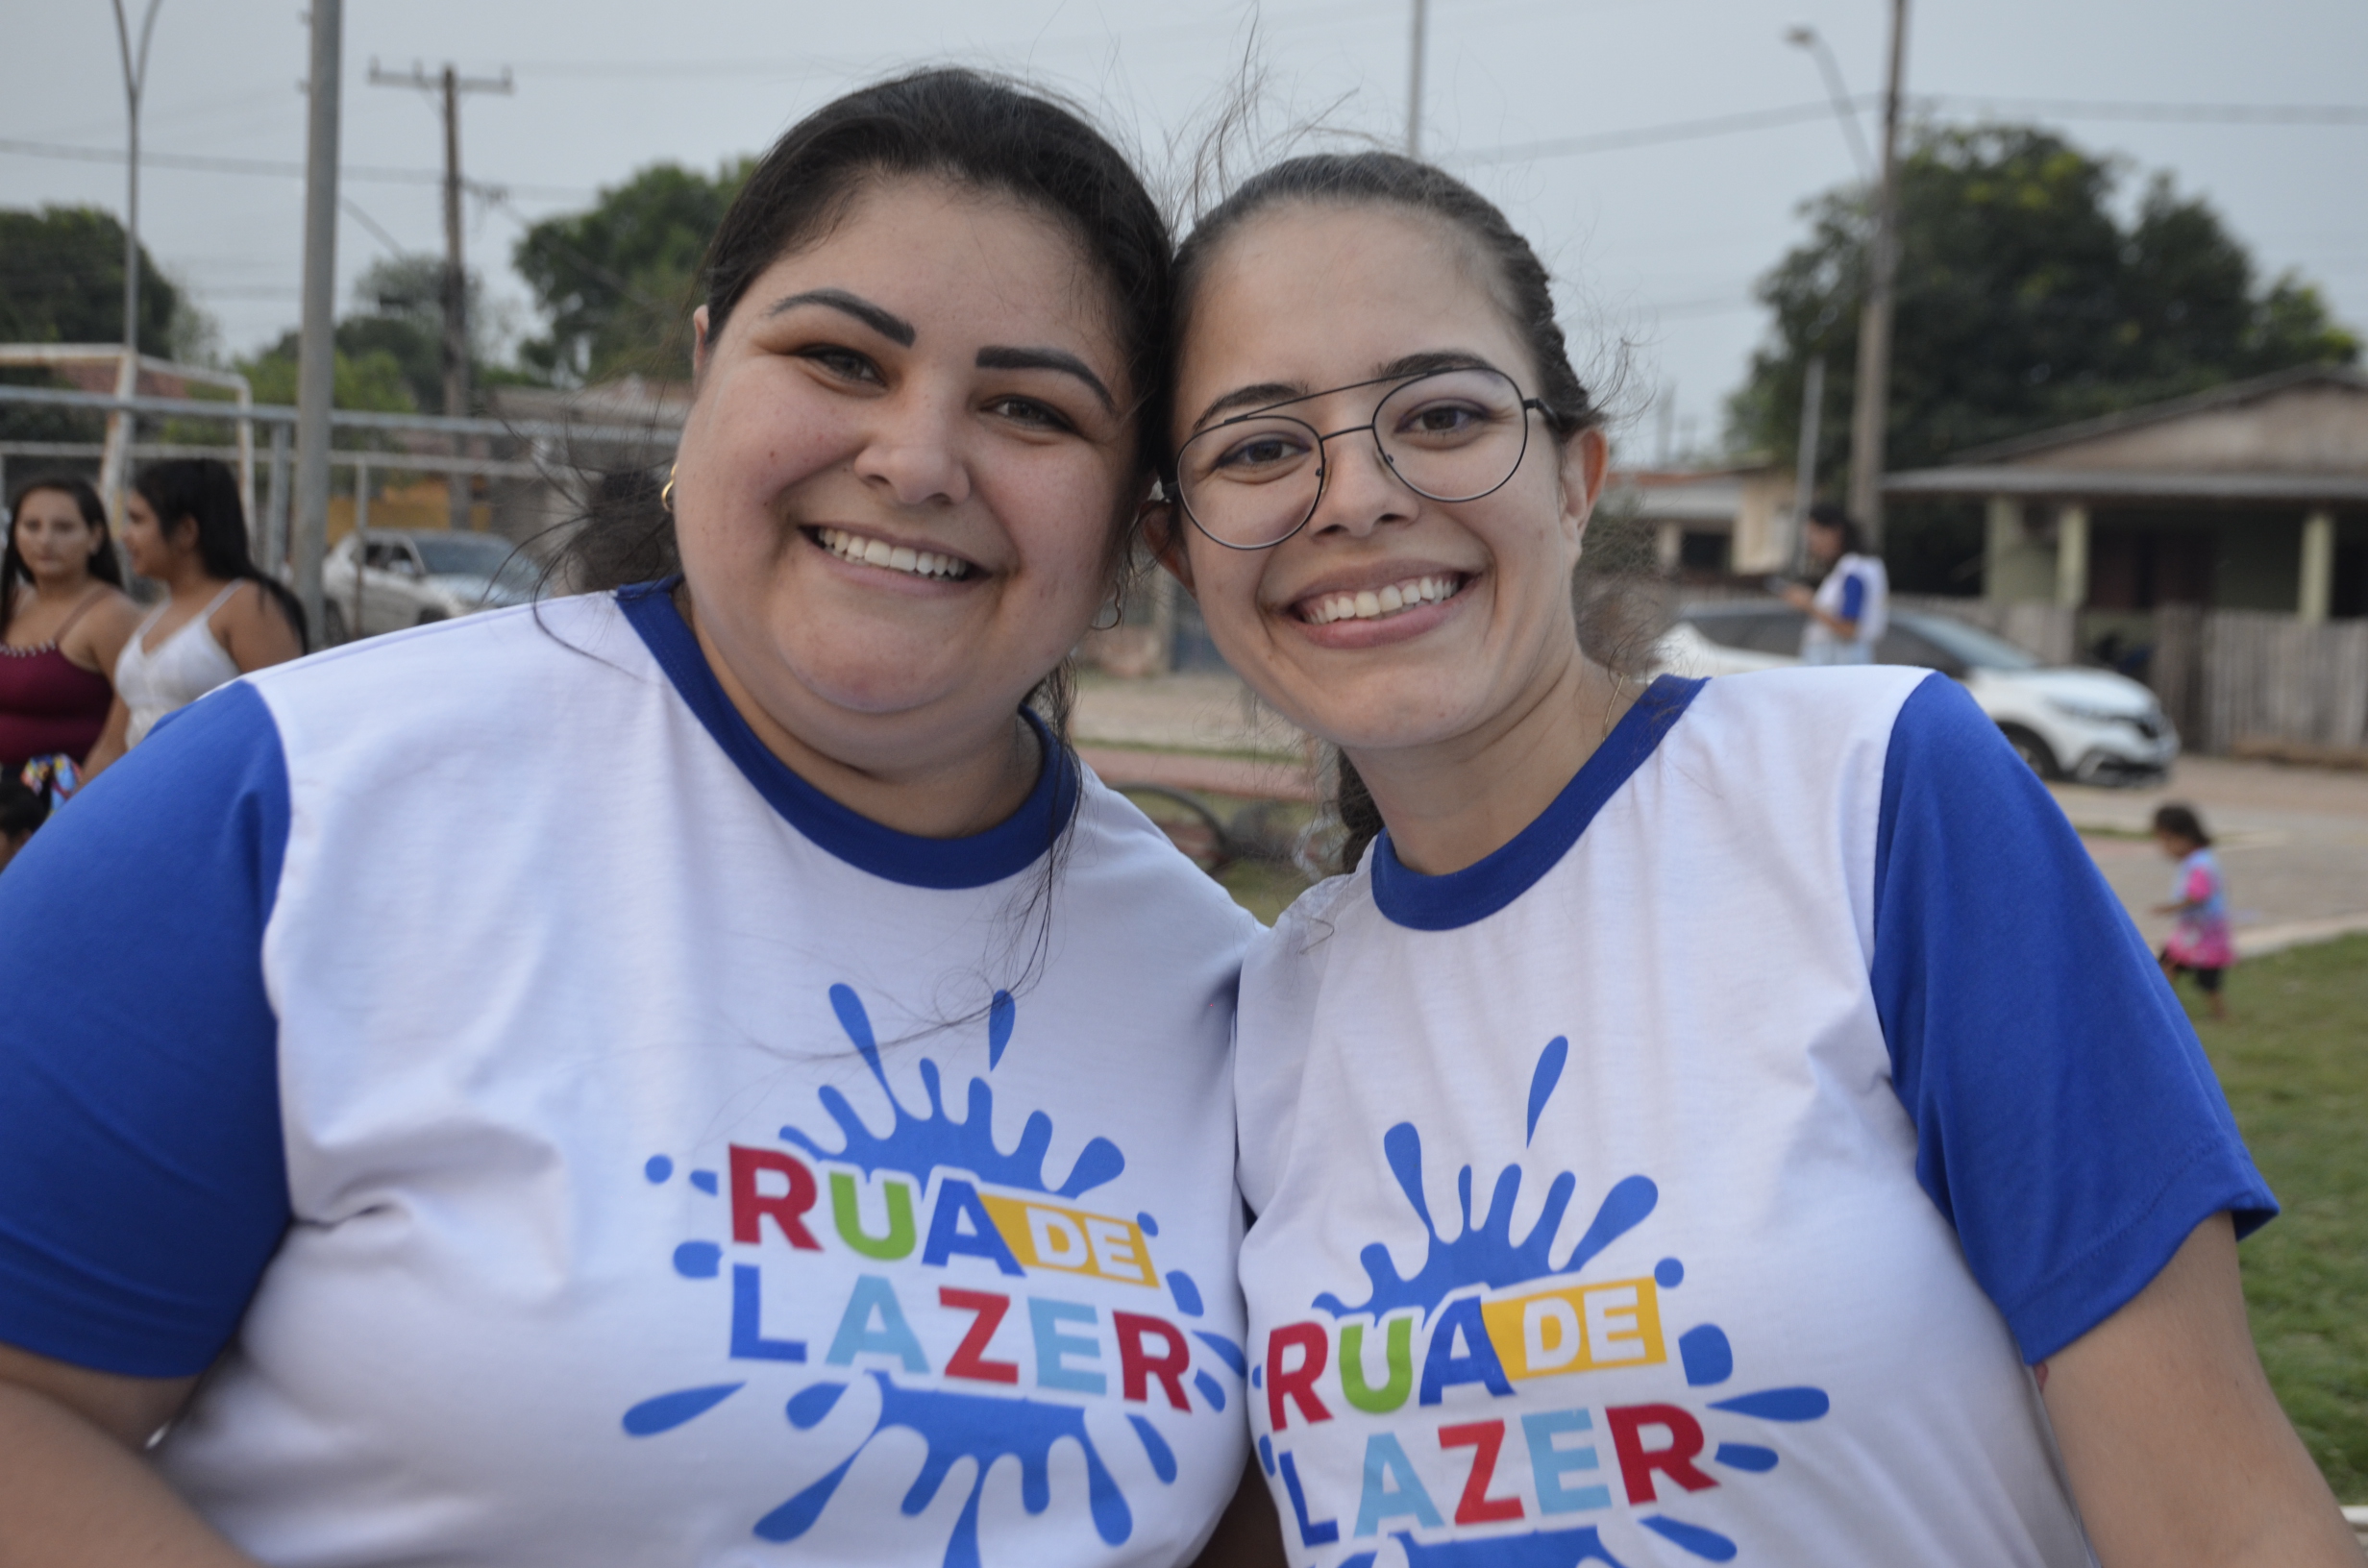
x: 1251, y: 481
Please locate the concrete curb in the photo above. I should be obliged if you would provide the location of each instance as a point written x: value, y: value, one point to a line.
x: 2259, y: 940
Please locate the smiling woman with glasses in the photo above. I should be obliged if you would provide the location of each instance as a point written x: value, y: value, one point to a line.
x: 1705, y: 1121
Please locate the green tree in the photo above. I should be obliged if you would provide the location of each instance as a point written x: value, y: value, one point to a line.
x: 618, y: 282
x: 371, y: 382
x: 2024, y: 301
x: 62, y: 281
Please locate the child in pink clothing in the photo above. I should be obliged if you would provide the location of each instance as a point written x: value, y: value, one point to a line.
x: 2200, y: 946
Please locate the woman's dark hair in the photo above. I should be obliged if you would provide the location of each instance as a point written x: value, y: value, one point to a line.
x: 22, y: 809
x: 973, y: 131
x: 1826, y: 514
x: 103, y: 563
x: 203, y: 491
x: 1523, y: 290
x: 2182, y: 822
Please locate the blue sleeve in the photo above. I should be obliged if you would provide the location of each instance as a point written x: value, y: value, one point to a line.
x: 1853, y: 597
x: 2067, y: 1122
x: 143, y: 1180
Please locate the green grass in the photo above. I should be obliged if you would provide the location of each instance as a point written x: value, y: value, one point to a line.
x: 2293, y: 1058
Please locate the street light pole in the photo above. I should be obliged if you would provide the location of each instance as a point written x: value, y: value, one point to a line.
x: 118, y: 449
x: 316, y: 363
x: 1414, y: 85
x: 1872, y: 403
x: 1846, y: 112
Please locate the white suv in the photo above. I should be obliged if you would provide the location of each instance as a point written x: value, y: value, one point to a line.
x: 385, y: 579
x: 2091, y: 726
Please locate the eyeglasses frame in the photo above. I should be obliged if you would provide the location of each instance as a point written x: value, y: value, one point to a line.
x: 1323, y: 469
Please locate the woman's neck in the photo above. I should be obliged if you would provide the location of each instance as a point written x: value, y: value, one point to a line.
x: 950, y: 787
x: 1456, y: 802
x: 65, y: 589
x: 187, y: 578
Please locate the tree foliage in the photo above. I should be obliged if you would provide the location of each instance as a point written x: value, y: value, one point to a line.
x: 618, y: 282
x: 2024, y: 301
x: 62, y: 281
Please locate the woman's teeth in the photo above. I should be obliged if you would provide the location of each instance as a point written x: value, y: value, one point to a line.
x: 1368, y: 605
x: 921, y: 563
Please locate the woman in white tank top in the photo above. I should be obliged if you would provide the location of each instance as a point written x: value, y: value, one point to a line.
x: 183, y: 526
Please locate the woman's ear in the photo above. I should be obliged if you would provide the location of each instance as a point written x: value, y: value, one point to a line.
x: 1163, y: 534
x: 698, y: 342
x: 1585, y: 460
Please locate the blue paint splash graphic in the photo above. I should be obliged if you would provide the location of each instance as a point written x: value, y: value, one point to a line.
x: 1541, y: 1549
x: 1541, y: 1081
x: 668, y: 1411
x: 955, y: 1426
x: 918, y: 1145
x: 1707, y: 1544
x: 960, y: 1427
x: 1485, y: 1253
x: 1707, y: 1356
x: 1000, y: 1016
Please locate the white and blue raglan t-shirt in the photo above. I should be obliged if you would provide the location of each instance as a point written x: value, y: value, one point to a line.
x: 1690, y: 1180
x: 1859, y: 591
x: 569, y: 1138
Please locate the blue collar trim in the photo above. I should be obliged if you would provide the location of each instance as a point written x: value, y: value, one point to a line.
x: 1459, y: 898
x: 1003, y: 850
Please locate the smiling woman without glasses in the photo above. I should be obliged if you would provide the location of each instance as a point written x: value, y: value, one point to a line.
x: 694, y: 1073
x: 1723, y: 1120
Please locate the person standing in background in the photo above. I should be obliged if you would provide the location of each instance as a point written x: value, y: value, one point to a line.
x: 64, y: 620
x: 2200, y: 897
x: 1850, y: 608
x: 184, y: 527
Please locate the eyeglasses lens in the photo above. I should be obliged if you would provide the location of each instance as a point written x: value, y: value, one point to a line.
x: 1453, y: 435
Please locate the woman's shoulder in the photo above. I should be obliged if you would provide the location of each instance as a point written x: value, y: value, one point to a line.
x: 505, y: 667
x: 1119, y: 851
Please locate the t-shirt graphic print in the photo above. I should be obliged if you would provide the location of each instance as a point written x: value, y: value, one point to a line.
x: 859, y: 1260
x: 1488, y: 1307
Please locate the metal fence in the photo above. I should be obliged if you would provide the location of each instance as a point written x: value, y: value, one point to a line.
x: 531, y: 452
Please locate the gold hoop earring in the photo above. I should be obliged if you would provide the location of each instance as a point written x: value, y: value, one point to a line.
x: 666, y: 491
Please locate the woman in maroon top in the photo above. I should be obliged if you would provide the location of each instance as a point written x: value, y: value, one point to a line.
x: 63, y: 620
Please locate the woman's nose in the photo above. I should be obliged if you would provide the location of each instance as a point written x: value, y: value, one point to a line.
x: 1361, y: 490
x: 914, y: 452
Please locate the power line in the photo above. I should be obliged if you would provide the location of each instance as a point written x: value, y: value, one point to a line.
x: 1800, y: 113
x: 278, y: 168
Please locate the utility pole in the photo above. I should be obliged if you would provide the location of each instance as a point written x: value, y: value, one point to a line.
x: 1868, y: 416
x: 451, y: 83
x: 1805, y: 460
x: 118, y: 449
x: 1414, y: 84
x: 316, y: 361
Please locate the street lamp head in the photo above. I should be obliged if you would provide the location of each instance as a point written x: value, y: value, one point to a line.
x: 1801, y: 36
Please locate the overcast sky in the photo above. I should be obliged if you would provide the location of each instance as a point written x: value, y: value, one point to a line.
x: 1654, y: 245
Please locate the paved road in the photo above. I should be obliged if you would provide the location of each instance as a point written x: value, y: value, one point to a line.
x: 2293, y: 841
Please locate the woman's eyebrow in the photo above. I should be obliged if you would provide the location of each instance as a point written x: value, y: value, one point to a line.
x: 890, y: 326
x: 1267, y: 395
x: 1060, y: 359
x: 1264, y: 395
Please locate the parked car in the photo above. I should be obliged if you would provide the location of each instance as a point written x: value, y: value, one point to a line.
x: 2091, y: 726
x: 385, y: 579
